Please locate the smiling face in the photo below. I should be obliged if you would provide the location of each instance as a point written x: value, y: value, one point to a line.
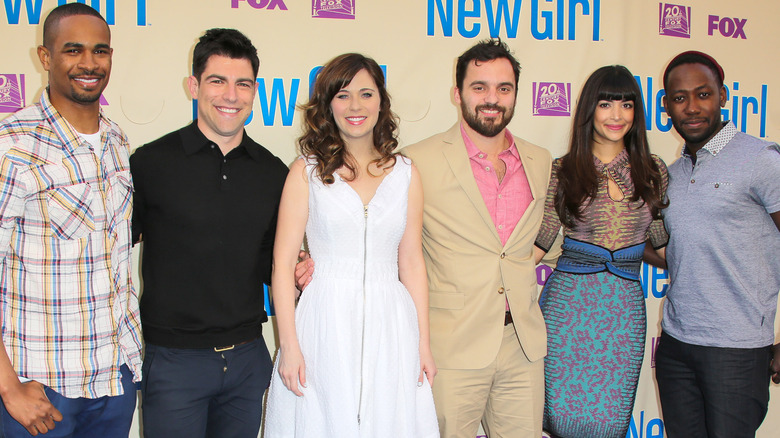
x: 356, y: 108
x: 693, y: 101
x: 612, y: 119
x: 225, y: 93
x: 78, y: 61
x: 487, y: 100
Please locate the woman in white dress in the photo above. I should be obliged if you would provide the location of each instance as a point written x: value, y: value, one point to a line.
x: 354, y: 356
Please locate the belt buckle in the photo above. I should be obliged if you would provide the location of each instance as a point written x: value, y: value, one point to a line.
x: 221, y: 349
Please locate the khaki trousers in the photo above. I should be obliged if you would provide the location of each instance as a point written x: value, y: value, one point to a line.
x: 507, y: 396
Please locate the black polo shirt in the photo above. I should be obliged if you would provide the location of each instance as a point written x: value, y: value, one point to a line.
x: 207, y: 222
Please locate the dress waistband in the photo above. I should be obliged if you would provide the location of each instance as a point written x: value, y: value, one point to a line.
x: 580, y: 257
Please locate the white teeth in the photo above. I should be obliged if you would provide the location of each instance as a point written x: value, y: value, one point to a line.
x: 87, y: 81
x: 228, y: 110
x: 355, y: 119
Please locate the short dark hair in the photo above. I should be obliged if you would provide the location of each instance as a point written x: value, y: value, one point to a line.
x: 63, y: 11
x: 485, y: 50
x: 224, y: 42
x: 695, y: 57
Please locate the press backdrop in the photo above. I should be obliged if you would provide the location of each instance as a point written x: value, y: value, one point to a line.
x: 558, y: 43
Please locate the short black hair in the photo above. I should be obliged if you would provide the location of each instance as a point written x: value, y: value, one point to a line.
x: 695, y: 57
x: 485, y: 50
x: 224, y: 42
x: 66, y: 10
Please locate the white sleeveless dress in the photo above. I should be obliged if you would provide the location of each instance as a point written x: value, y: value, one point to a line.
x: 356, y: 323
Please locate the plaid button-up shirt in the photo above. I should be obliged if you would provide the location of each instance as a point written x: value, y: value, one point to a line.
x: 69, y: 311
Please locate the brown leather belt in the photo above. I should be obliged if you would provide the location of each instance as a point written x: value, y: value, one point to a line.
x: 507, y: 318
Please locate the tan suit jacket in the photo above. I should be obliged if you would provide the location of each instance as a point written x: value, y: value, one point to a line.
x: 470, y: 273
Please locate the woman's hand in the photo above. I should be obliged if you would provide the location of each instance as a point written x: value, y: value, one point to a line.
x: 292, y: 369
x: 427, y: 366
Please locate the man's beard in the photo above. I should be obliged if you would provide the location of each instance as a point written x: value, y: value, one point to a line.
x: 486, y: 127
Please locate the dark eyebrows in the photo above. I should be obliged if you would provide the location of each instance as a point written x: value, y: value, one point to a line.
x: 73, y: 45
x: 699, y: 88
x: 484, y: 83
x: 215, y: 76
x: 225, y: 79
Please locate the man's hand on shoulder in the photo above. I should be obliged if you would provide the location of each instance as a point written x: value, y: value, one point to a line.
x: 27, y: 403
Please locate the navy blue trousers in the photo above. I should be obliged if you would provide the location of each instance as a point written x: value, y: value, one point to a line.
x: 104, y: 417
x: 712, y: 392
x: 199, y: 393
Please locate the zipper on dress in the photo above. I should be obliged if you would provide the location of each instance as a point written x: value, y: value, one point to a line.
x: 363, y: 331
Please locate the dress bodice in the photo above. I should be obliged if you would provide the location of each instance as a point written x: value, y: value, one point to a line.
x: 344, y: 236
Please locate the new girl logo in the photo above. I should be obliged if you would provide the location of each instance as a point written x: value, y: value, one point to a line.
x: 674, y: 20
x: 552, y: 99
x: 11, y: 93
x: 343, y: 9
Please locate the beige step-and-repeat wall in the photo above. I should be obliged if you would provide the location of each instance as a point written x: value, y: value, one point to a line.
x: 558, y: 43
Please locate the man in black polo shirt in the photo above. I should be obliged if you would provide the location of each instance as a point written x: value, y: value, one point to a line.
x: 206, y: 200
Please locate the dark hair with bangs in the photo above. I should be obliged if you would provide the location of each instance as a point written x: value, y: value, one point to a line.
x: 224, y: 42
x: 321, y: 138
x: 578, y: 178
x: 484, y: 51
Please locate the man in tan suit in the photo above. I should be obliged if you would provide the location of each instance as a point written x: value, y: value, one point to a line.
x: 484, y: 198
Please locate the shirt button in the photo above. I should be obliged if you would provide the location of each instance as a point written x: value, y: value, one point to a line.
x: 500, y: 227
x: 717, y: 185
x: 481, y: 155
x: 693, y: 181
x: 224, y: 177
x: 503, y: 254
x: 213, y: 146
x: 500, y: 196
x: 487, y: 168
x: 500, y: 290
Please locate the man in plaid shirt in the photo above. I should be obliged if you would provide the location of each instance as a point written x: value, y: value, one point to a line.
x: 69, y: 313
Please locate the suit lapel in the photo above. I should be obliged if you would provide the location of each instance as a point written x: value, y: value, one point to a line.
x: 538, y: 191
x: 458, y: 160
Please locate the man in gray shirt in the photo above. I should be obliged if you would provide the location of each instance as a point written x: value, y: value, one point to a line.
x: 715, y: 353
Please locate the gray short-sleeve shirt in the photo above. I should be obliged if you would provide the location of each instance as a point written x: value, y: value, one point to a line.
x: 723, y: 245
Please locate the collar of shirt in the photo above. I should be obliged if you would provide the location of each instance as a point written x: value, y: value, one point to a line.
x: 719, y: 141
x: 474, y: 152
x: 194, y: 140
x: 68, y: 136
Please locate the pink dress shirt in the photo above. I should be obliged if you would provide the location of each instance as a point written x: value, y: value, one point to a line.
x: 506, y: 200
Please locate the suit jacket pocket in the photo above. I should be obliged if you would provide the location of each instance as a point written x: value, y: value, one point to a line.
x: 446, y: 300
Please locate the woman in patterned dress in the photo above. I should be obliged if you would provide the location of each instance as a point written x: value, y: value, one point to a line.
x: 606, y: 193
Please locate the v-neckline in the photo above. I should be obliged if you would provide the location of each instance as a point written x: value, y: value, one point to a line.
x: 352, y: 189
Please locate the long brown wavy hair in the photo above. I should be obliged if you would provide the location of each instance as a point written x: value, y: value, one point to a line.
x: 578, y: 180
x: 321, y: 138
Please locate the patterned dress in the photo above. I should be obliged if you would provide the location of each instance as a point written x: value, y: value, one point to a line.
x: 594, y: 307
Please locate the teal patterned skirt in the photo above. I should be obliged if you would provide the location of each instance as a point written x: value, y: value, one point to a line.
x: 596, y: 327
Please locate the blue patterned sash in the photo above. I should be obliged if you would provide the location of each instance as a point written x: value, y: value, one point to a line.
x: 586, y: 258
